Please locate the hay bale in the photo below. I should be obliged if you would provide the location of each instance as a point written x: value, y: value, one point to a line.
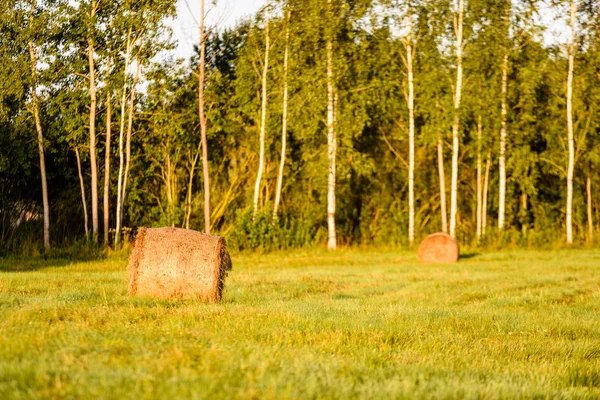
x: 438, y: 248
x: 178, y: 263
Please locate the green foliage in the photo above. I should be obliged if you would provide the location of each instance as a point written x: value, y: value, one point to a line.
x: 264, y: 234
x: 165, y: 186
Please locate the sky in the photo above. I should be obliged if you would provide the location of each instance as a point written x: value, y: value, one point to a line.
x: 226, y: 13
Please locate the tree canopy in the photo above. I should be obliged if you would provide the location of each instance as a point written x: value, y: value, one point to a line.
x: 138, y: 79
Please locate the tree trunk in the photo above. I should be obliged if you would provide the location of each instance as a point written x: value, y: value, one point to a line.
x: 121, y: 136
x: 263, y: 117
x: 40, y: 137
x: 106, y: 196
x: 590, y: 219
x: 501, y: 156
x: 571, y: 167
x: 203, y: 121
x: 188, y: 209
x: 284, y: 120
x: 442, y: 175
x: 170, y: 179
x: 486, y: 181
x: 456, y: 123
x: 331, y: 148
x: 81, y: 183
x: 411, y: 139
x: 130, y: 126
x: 93, y: 163
x: 524, y: 213
x: 479, y: 188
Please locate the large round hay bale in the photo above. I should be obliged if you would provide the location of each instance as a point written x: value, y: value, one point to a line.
x: 178, y: 263
x: 438, y: 248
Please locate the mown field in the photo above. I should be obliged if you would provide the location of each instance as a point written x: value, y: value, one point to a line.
x: 309, y: 324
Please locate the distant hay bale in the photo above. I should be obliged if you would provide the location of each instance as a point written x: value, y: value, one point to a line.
x: 171, y: 263
x: 438, y: 248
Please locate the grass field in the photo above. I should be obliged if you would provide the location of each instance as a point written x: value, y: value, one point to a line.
x: 354, y: 324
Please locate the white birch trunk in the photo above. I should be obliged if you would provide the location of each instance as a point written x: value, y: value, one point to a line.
x: 40, y: 137
x: 442, y: 175
x: 284, y: 120
x: 92, y: 127
x: 486, y: 181
x: 106, y: 196
x: 501, y: 156
x: 263, y: 117
x: 524, y: 213
x: 130, y: 127
x: 590, y: 219
x: 203, y: 141
x: 121, y: 137
x: 83, y: 201
x: 190, y: 186
x: 456, y: 123
x: 331, y: 149
x: 411, y: 138
x: 479, y: 173
x: 571, y: 166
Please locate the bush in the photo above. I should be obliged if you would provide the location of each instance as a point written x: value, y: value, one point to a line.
x: 264, y: 234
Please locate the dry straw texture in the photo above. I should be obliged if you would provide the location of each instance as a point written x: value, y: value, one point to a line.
x: 438, y: 248
x: 178, y: 263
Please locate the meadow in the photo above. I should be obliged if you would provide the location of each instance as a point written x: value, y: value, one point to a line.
x: 309, y: 324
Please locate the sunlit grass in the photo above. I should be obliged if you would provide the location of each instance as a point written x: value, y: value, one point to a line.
x: 310, y: 324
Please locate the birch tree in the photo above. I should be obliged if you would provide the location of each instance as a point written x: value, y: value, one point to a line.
x: 503, y: 124
x: 263, y: 116
x: 284, y: 118
x: 83, y: 201
x: 590, y: 218
x: 570, y: 138
x: 38, y: 126
x: 484, y: 200
x: 331, y: 140
x: 411, y: 130
x: 479, y: 183
x: 118, y: 213
x: 442, y: 179
x: 203, y: 121
x: 146, y: 37
x: 92, y: 126
x: 106, y: 196
x: 132, y: 93
x: 458, y: 26
x: 110, y: 55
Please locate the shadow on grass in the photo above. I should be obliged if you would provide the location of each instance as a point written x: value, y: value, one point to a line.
x: 469, y: 255
x: 54, y: 258
x: 28, y: 265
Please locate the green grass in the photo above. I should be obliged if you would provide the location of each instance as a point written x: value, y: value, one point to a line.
x: 353, y: 324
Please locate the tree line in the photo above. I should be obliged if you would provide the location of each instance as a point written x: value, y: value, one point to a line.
x: 338, y: 122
